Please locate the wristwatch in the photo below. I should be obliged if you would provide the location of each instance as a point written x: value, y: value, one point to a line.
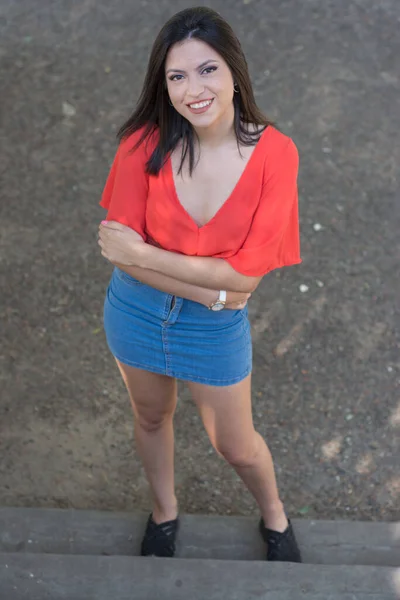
x: 220, y: 303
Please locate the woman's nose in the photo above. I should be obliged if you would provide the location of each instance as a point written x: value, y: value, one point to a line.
x: 195, y: 87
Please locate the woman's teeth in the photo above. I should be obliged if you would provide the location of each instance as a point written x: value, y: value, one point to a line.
x: 201, y: 104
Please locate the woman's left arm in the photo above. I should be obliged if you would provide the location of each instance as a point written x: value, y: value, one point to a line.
x: 204, y: 271
x: 123, y: 245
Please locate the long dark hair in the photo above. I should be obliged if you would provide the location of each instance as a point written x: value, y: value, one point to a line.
x: 153, y: 109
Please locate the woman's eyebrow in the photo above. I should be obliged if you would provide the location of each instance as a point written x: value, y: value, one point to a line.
x: 206, y: 62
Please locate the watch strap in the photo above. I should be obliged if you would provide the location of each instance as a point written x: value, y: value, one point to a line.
x: 221, y: 300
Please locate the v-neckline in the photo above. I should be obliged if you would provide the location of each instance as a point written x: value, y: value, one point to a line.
x: 170, y: 173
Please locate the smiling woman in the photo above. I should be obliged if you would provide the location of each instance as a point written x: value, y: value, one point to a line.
x: 201, y: 203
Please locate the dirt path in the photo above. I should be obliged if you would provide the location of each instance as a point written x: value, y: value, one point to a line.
x: 327, y: 361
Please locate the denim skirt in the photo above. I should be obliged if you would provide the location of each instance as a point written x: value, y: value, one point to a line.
x: 166, y: 334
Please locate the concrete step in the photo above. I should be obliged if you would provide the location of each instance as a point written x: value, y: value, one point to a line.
x: 64, y: 577
x: 85, y: 532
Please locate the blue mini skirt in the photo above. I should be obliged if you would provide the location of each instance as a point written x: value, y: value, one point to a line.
x: 162, y: 333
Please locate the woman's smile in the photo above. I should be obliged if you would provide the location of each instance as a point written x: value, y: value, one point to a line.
x: 201, y: 106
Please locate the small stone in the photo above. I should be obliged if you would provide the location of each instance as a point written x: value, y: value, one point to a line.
x: 68, y: 110
x: 388, y: 77
x: 326, y: 150
x: 390, y: 369
x: 303, y: 288
x: 319, y: 283
x: 349, y: 417
x: 107, y: 69
x: 317, y: 226
x: 303, y: 510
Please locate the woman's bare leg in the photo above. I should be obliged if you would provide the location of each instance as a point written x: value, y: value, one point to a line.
x: 153, y: 399
x: 227, y: 417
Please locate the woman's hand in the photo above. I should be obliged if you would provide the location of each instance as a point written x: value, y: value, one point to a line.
x: 236, y: 300
x: 120, y: 244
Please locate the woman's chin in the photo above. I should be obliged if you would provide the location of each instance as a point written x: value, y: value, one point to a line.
x: 201, y: 121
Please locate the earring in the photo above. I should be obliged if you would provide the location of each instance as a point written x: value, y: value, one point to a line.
x: 235, y: 88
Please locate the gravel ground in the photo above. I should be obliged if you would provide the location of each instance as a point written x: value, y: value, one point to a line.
x: 326, y: 333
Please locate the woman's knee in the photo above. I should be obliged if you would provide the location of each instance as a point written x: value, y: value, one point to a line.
x: 240, y: 454
x: 152, y: 422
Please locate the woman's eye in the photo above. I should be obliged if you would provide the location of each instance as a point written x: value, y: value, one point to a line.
x: 208, y: 70
x: 205, y: 71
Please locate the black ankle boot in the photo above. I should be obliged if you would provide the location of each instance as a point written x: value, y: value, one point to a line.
x: 160, y: 540
x: 280, y: 546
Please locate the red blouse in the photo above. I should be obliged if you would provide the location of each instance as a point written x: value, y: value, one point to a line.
x: 257, y: 228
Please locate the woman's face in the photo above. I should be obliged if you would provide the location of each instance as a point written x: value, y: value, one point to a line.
x: 199, y: 83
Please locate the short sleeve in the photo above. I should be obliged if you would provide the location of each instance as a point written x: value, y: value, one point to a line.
x: 126, y: 189
x: 273, y: 240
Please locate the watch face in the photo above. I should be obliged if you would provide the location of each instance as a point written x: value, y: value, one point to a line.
x: 217, y: 306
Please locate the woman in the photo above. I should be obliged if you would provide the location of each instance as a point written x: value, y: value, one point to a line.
x: 202, y: 203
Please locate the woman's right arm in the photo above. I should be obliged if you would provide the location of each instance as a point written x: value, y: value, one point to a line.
x: 169, y: 285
